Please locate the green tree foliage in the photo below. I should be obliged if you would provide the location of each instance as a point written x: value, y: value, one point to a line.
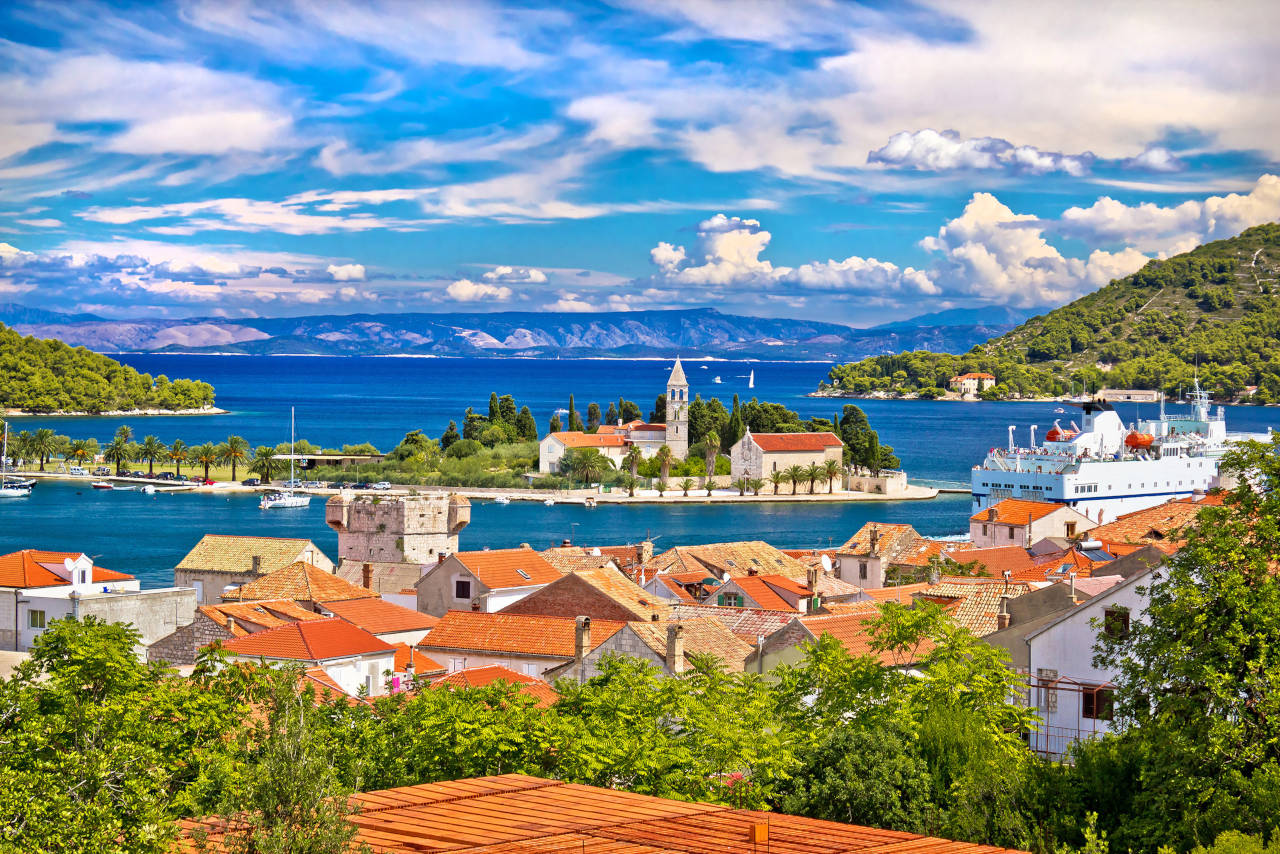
x: 234, y: 452
x: 49, y: 376
x: 450, y: 435
x: 264, y: 463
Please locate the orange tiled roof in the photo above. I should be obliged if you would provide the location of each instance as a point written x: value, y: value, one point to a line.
x: 423, y: 665
x: 855, y: 636
x: 478, y: 677
x: 500, y: 568
x: 235, y: 553
x: 997, y: 559
x: 759, y: 592
x: 1049, y: 567
x: 520, y: 634
x: 312, y: 640
x: 1016, y: 511
x: 1153, y: 525
x: 974, y: 376
x: 624, y: 556
x: 747, y: 623
x: 576, y: 558
x: 517, y: 813
x: 772, y: 443
x: 379, y: 616
x: 864, y: 608
x: 30, y: 568
x: 978, y: 598
x: 574, y: 439
x: 259, y: 615
x: 624, y: 592
x: 897, y: 593
x: 896, y: 543
x: 672, y: 584
x: 705, y: 636
x: 301, y: 582
x: 734, y: 558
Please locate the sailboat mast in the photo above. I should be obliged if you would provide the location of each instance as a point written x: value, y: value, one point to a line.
x: 292, y: 442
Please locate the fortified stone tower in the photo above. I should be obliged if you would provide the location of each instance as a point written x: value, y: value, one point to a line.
x: 384, y: 542
x: 678, y: 412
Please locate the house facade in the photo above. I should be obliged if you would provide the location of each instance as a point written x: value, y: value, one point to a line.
x: 221, y: 561
x: 482, y: 581
x: 354, y: 659
x: 971, y: 383
x: 527, y: 644
x: 758, y: 455
x: 1015, y: 522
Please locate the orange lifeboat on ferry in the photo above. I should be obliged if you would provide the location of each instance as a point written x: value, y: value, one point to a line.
x: 1060, y: 434
x: 1139, y: 441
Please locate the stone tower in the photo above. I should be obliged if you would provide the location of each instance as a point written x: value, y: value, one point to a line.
x: 384, y: 542
x: 678, y: 412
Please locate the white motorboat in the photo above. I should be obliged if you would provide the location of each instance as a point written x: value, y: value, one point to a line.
x: 502, y: 499
x: 11, y: 488
x: 286, y: 498
x: 751, y: 379
x: 717, y: 380
x: 148, y: 489
x: 549, y: 502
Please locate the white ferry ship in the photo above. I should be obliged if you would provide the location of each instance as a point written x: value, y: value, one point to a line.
x: 1103, y: 468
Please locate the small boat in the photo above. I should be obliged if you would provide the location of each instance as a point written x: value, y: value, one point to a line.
x: 116, y: 487
x: 286, y: 498
x: 751, y: 379
x: 717, y: 380
x: 704, y: 367
x: 502, y: 499
x: 102, y: 484
x: 549, y: 502
x: 1060, y: 410
x: 11, y: 488
x: 148, y: 489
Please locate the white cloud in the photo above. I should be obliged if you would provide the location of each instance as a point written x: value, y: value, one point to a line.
x: 465, y: 290
x: 42, y: 223
x: 346, y: 272
x: 338, y: 158
x: 862, y: 275
x: 929, y: 150
x: 242, y: 215
x: 515, y: 275
x: 1001, y: 257
x: 572, y: 302
x: 1156, y: 159
x: 1178, y: 227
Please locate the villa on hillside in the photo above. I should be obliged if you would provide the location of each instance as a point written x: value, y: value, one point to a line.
x: 615, y: 440
x: 758, y: 455
x: 971, y: 383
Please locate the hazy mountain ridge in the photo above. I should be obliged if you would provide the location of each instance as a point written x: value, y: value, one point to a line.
x: 623, y: 334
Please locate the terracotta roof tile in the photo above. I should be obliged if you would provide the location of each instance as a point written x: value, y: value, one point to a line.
x: 318, y: 640
x: 1154, y: 525
x: 379, y: 616
x: 735, y: 558
x: 300, y: 582
x: 517, y: 813
x: 997, y: 559
x: 254, y: 616
x: 591, y: 440
x: 235, y: 553
x: 325, y: 688
x: 31, y: 568
x: 499, y: 568
x: 746, y: 623
x: 978, y: 599
x: 1016, y: 511
x: 423, y: 665
x: 576, y: 558
x: 760, y: 591
x: 519, y: 634
x: 624, y: 592
x: 772, y: 443
x: 705, y: 636
x: 854, y: 634
x: 478, y: 677
x: 896, y: 593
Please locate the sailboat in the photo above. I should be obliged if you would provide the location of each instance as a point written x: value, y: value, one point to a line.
x: 751, y: 379
x: 8, y: 488
x: 286, y: 498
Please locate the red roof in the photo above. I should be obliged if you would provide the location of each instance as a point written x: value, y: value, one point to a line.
x: 30, y: 568
x: 313, y: 640
x: 478, y: 677
x: 380, y: 616
x: 997, y: 559
x: 509, y: 568
x: 974, y: 376
x: 794, y: 442
x: 574, y: 439
x: 422, y: 664
x: 1016, y: 511
x: 521, y: 634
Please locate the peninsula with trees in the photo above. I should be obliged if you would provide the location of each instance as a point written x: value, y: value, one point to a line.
x: 1212, y: 312
x: 48, y: 377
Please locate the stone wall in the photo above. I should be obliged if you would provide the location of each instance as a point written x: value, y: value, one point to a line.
x: 396, y: 529
x: 210, y: 583
x: 154, y: 613
x: 886, y: 483
x: 183, y: 645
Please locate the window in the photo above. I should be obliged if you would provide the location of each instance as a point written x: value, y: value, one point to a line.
x: 1115, y: 623
x: 984, y: 530
x: 730, y: 600
x: 862, y: 570
x: 1071, y: 529
x: 1011, y: 532
x: 1096, y: 702
x: 462, y: 588
x: 524, y: 574
x: 35, y: 619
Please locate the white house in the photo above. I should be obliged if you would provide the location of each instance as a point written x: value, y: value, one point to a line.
x: 554, y: 446
x: 761, y: 454
x: 350, y: 656
x: 1022, y: 523
x: 971, y: 383
x: 38, y: 587
x: 487, y: 580
x: 1073, y: 696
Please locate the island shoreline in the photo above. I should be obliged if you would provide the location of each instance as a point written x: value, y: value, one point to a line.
x: 117, y: 413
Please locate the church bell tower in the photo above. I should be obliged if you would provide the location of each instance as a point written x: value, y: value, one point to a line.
x: 678, y: 412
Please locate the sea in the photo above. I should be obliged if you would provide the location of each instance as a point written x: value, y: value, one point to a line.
x: 347, y: 400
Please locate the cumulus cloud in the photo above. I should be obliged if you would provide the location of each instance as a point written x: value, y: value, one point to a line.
x: 346, y: 272
x: 465, y: 290
x: 996, y: 255
x: 1155, y: 159
x: 515, y: 275
x: 934, y: 151
x: 1174, y: 228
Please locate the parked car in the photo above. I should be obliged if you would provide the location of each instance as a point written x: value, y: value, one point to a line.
x: 164, y: 475
x: 293, y: 484
x: 382, y: 484
x: 205, y: 481
x: 362, y: 485
x: 102, y: 471
x: 136, y: 474
x: 181, y: 478
x: 251, y: 481
x: 77, y: 471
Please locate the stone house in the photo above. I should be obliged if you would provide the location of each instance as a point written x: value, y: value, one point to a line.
x: 38, y: 587
x: 1022, y: 523
x: 602, y: 594
x: 554, y: 446
x: 971, y: 384
x: 722, y: 560
x: 221, y: 561
x: 667, y: 644
x: 758, y: 455
x: 487, y: 580
x: 300, y: 582
x: 354, y: 659
x: 527, y: 644
x: 224, y: 622
x: 881, y: 552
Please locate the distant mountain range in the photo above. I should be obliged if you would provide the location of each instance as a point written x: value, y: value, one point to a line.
x: 691, y: 332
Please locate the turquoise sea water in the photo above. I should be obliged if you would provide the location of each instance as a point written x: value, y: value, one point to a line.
x: 378, y: 399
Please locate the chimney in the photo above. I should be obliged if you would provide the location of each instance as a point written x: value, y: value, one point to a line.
x: 875, y: 538
x: 366, y: 575
x: 475, y: 604
x: 441, y: 557
x: 811, y: 576
x: 255, y: 564
x: 566, y: 542
x: 760, y: 654
x: 1073, y: 588
x: 991, y: 514
x: 581, y: 638
x: 675, y: 648
x: 655, y: 618
x: 646, y: 551
x: 759, y: 833
x: 1003, y: 618
x: 231, y: 625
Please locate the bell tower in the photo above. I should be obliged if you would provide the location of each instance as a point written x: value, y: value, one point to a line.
x: 678, y: 412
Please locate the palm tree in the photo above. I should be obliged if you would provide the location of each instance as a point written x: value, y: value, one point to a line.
x: 664, y: 457
x: 741, y: 485
x: 79, y: 450
x: 686, y: 485
x: 20, y: 445
x: 834, y: 471
x: 178, y: 452
x: 796, y: 476
x: 755, y: 483
x: 661, y: 486
x: 777, y: 478
x: 633, y: 458
x: 44, y: 444
x: 151, y: 450
x: 264, y: 462
x: 814, y: 473
x: 205, y: 455
x: 118, y: 452
x: 235, y: 450
x: 711, y: 447
x: 586, y: 464
x: 124, y: 433
x: 629, y: 482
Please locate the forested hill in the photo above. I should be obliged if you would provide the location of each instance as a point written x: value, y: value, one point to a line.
x: 1215, y: 309
x: 49, y: 376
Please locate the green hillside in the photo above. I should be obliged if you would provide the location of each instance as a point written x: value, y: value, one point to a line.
x: 1215, y: 308
x: 48, y: 376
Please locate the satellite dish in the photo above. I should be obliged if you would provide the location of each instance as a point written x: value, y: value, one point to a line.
x: 826, y: 563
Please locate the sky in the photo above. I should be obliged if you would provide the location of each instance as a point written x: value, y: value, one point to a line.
x: 856, y: 163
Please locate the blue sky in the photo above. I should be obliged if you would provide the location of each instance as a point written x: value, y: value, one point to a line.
x: 849, y: 162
